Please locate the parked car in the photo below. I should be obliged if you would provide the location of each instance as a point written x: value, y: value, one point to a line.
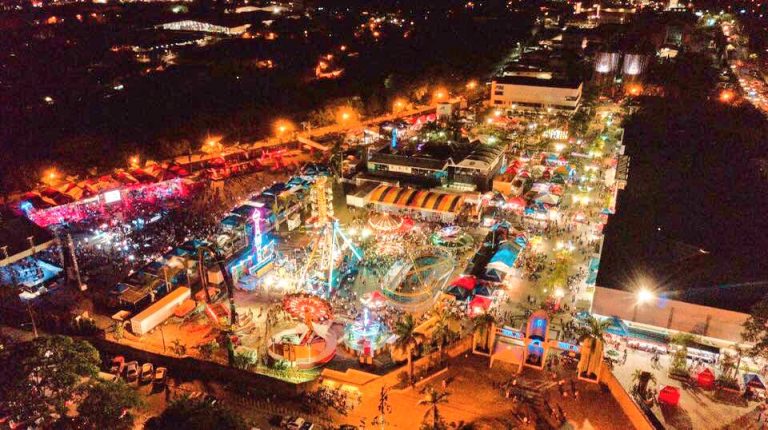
x: 296, y: 424
x: 147, y: 372
x: 108, y: 377
x: 117, y: 365
x: 161, y: 374
x: 307, y: 426
x: 203, y: 397
x: 131, y: 371
x: 285, y: 420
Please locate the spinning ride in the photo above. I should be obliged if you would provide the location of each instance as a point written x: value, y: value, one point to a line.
x: 309, y: 344
x: 452, y: 237
x: 365, y: 336
x: 416, y: 278
x: 385, y: 223
x: 302, y: 306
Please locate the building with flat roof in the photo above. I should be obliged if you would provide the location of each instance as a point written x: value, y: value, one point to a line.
x: 200, y: 26
x: 656, y: 319
x: 20, y: 238
x: 462, y: 166
x: 536, y: 93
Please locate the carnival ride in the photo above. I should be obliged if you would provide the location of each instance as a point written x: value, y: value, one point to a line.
x: 365, y: 336
x: 386, y: 224
x: 310, y: 343
x: 452, y: 237
x: 415, y: 278
x: 329, y: 245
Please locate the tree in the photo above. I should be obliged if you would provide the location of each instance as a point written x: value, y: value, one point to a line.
x: 640, y: 381
x: 442, y: 332
x: 208, y: 349
x: 107, y: 406
x: 408, y: 339
x: 433, y: 399
x: 178, y: 348
x: 482, y: 324
x: 680, y: 359
x: 189, y: 414
x: 756, y: 329
x: 593, y: 336
x: 42, y: 375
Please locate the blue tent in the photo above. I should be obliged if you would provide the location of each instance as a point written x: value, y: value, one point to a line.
x: 753, y: 380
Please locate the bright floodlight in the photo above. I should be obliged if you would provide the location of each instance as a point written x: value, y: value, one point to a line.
x: 645, y: 295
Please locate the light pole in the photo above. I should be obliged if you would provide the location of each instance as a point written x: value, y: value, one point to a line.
x: 643, y: 295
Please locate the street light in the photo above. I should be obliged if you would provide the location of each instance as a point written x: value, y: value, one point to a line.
x: 282, y: 127
x: 634, y: 90
x: 644, y: 295
x: 398, y: 105
x: 50, y: 175
x: 440, y: 95
x: 345, y: 115
x: 134, y: 161
x: 726, y: 96
x: 471, y: 85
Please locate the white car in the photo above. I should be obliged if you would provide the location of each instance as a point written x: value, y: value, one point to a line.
x: 296, y: 424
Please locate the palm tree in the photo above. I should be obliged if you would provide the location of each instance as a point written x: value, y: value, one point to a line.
x: 482, y: 323
x: 640, y: 381
x: 433, y: 398
x: 442, y: 331
x: 408, y: 339
x: 680, y: 359
x: 592, y: 336
x: 594, y: 329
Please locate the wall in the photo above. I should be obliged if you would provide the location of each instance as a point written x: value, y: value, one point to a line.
x: 538, y: 95
x: 188, y: 368
x: 628, y: 405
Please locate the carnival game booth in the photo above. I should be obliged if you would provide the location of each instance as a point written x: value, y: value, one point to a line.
x: 462, y: 288
x: 705, y: 379
x: 502, y: 263
x: 74, y: 202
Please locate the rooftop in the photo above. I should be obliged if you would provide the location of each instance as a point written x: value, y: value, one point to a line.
x: 15, y: 232
x: 535, y: 82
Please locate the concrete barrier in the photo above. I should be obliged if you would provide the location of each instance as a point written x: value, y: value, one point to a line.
x: 631, y: 409
x: 188, y: 368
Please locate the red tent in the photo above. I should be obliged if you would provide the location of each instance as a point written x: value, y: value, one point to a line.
x: 669, y: 396
x: 479, y: 305
x: 706, y: 379
x: 374, y: 299
x: 466, y: 282
x: 517, y: 202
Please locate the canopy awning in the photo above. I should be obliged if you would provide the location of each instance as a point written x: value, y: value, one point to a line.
x: 669, y: 395
x: 753, y: 380
x: 465, y: 282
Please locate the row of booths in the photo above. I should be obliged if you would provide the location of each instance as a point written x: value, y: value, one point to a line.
x: 494, y: 261
x: 244, y: 239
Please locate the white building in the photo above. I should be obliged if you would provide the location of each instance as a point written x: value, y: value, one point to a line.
x: 205, y: 27
x: 530, y: 93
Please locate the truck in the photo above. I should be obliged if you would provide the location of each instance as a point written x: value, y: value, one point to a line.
x: 159, y: 311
